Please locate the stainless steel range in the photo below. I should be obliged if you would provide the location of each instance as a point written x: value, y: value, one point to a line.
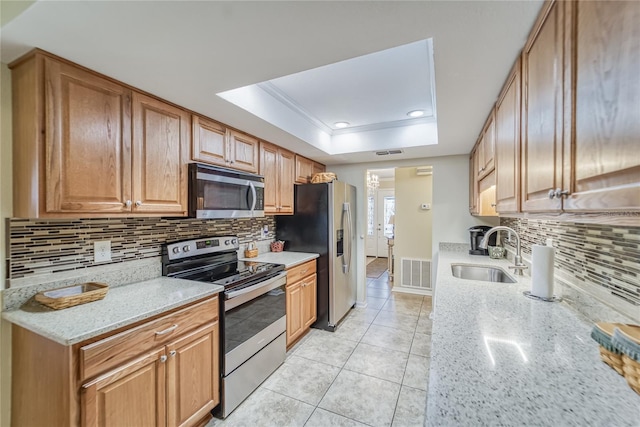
x: 253, y: 324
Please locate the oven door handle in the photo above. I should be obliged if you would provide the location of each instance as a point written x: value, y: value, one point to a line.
x: 236, y: 298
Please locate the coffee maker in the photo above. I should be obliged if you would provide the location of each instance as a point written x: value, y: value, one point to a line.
x: 476, y: 234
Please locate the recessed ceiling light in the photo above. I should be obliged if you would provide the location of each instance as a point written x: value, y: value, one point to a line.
x: 341, y: 125
x: 415, y: 113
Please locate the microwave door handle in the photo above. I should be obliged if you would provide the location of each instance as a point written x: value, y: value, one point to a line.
x: 253, y: 195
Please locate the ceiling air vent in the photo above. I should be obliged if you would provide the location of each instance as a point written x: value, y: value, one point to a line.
x: 387, y: 152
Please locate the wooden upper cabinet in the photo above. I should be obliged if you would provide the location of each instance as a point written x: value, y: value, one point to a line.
x: 304, y: 170
x: 160, y: 152
x: 210, y: 143
x: 473, y: 182
x: 486, y: 148
x: 215, y: 144
x: 317, y: 168
x: 87, y: 141
x: 507, y: 155
x: 278, y: 168
x: 243, y: 152
x: 542, y: 117
x: 604, y: 168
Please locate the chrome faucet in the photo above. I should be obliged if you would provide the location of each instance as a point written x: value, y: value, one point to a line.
x: 518, y: 264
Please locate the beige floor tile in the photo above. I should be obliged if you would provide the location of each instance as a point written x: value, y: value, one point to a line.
x: 410, y: 409
x: 421, y: 345
x: 378, y: 362
x: 267, y: 408
x: 403, y: 305
x: 376, y: 303
x: 323, y: 418
x: 393, y: 339
x: 417, y: 373
x: 302, y: 379
x: 362, y: 398
x: 378, y: 292
x: 326, y: 348
x: 395, y: 320
x: 365, y: 315
x: 352, y: 329
x: 376, y: 283
x: 424, y: 325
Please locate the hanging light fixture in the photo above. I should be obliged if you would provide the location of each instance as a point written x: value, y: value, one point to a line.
x: 372, y: 181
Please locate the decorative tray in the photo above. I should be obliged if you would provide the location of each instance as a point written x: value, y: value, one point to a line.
x: 72, y: 295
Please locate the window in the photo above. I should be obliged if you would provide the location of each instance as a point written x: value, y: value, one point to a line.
x: 370, y: 215
x: 389, y: 205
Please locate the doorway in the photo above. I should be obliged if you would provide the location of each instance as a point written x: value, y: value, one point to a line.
x: 380, y: 212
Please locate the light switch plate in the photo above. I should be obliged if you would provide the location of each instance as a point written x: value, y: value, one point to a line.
x: 102, y: 251
x: 549, y: 242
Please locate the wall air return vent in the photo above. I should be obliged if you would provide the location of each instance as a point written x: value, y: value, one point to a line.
x: 415, y: 273
x: 387, y: 152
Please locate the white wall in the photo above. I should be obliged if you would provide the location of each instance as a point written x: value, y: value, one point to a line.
x: 413, y: 225
x: 5, y: 212
x: 450, y: 204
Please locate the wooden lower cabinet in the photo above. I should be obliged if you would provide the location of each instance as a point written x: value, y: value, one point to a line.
x: 174, y: 382
x: 301, y: 300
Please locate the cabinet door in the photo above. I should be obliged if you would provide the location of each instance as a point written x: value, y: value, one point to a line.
x: 318, y: 168
x: 209, y: 142
x: 294, y: 311
x: 160, y: 152
x: 542, y: 113
x: 286, y: 160
x: 244, y: 151
x: 487, y: 148
x: 269, y: 169
x: 304, y: 170
x: 473, y: 182
x: 193, y: 376
x: 508, y: 144
x: 309, y: 301
x: 132, y: 395
x: 88, y: 141
x: 604, y: 171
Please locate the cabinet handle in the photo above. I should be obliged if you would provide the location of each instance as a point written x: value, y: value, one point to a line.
x: 128, y: 203
x: 172, y: 353
x: 169, y: 329
x: 138, y: 203
x: 304, y: 271
x: 163, y: 358
x: 560, y: 193
x: 552, y: 194
x: 493, y: 205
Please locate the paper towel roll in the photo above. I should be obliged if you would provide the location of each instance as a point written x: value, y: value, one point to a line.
x: 542, y: 271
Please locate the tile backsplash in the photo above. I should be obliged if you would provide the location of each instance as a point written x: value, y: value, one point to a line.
x: 43, y: 247
x: 603, y: 257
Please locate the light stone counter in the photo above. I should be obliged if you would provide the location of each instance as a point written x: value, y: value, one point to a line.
x: 123, y: 305
x: 289, y: 259
x: 500, y: 358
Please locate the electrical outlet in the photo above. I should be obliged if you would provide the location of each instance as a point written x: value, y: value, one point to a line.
x: 265, y: 230
x: 549, y: 242
x: 102, y: 251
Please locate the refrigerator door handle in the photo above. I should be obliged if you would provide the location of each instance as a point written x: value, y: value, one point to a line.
x: 346, y: 260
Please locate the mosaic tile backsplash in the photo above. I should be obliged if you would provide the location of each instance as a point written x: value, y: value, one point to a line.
x: 603, y: 255
x: 42, y: 247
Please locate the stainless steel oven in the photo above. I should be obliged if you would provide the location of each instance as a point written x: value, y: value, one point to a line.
x: 253, y: 311
x: 224, y: 193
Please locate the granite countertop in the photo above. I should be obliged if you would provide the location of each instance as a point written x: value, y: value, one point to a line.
x: 500, y: 358
x: 123, y: 305
x: 289, y: 259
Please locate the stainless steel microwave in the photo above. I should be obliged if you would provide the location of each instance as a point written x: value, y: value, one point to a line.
x: 224, y: 193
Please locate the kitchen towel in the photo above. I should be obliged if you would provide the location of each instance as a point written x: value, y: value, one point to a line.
x: 542, y: 258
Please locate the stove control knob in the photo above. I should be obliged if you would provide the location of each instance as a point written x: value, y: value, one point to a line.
x: 234, y: 241
x: 227, y: 242
x: 185, y: 248
x: 176, y: 250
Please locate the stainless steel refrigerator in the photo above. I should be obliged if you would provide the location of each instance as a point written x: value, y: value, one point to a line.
x: 324, y: 223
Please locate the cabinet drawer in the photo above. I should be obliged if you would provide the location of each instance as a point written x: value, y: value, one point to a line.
x: 103, y: 355
x: 301, y: 271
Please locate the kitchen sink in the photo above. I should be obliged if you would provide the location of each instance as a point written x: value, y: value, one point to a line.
x: 480, y: 272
